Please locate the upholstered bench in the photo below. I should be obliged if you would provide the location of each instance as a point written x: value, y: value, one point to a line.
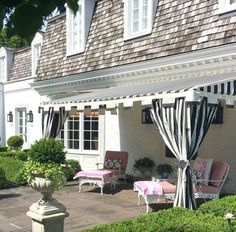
x: 152, y: 191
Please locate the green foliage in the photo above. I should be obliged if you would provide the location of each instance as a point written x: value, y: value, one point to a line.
x: 171, y: 220
x: 11, y: 41
x: 15, y: 142
x: 47, y: 151
x: 164, y: 168
x: 49, y: 171
x: 21, y: 155
x: 220, y: 207
x: 3, y: 180
x: 144, y: 162
x: 71, y: 168
x: 3, y: 149
x: 18, y: 14
x: 11, y: 168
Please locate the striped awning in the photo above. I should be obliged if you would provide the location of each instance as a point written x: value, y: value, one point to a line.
x: 193, y: 88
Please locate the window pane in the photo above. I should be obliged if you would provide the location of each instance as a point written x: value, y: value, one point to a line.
x: 94, y: 135
x: 95, y: 126
x: 87, y: 145
x: 76, y: 144
x: 86, y: 135
x: 86, y: 125
x: 94, y: 145
x: 76, y: 125
x: 76, y: 134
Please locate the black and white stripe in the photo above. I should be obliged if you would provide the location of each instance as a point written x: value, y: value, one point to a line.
x: 52, y: 122
x: 183, y: 127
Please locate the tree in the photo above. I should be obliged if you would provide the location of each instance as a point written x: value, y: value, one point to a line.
x: 11, y: 41
x: 25, y: 17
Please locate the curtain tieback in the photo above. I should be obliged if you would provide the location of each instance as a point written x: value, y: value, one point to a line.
x: 183, y: 164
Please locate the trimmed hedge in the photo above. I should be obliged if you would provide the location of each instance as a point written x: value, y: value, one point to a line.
x: 11, y: 168
x: 3, y: 149
x: 170, y: 220
x: 21, y: 155
x: 15, y: 142
x: 220, y: 207
x: 3, y: 180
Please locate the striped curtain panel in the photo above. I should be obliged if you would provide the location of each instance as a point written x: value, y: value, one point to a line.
x: 183, y: 127
x: 52, y: 122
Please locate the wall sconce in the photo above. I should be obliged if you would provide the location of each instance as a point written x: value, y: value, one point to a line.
x: 10, y: 117
x: 30, y: 116
x: 146, y: 116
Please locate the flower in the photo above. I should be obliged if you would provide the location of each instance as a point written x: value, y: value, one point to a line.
x: 229, y: 216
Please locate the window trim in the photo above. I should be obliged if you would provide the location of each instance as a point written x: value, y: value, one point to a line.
x: 225, y: 6
x: 128, y: 34
x: 25, y: 124
x: 4, y: 73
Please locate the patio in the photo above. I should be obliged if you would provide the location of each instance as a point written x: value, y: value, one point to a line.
x: 86, y: 209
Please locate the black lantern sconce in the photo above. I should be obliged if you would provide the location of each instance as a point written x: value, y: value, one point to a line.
x: 146, y: 116
x: 10, y: 117
x: 30, y: 116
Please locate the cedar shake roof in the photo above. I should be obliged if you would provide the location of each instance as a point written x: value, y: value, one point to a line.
x: 21, y: 64
x: 179, y: 26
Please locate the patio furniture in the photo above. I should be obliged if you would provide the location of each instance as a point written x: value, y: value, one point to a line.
x: 210, y: 188
x: 95, y: 177
x: 115, y: 162
x: 156, y: 189
x: 152, y: 191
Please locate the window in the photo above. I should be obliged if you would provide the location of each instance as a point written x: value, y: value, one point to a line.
x: 35, y: 57
x: 36, y: 51
x: 2, y: 69
x: 81, y: 132
x: 138, y: 17
x: 227, y: 6
x: 77, y: 26
x: 21, y: 123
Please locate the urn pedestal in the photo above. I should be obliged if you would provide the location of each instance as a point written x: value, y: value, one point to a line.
x: 47, y: 214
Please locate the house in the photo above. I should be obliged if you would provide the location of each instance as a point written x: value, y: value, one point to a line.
x: 105, y: 65
x: 20, y: 104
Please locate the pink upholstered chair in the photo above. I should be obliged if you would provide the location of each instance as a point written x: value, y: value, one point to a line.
x: 116, y: 162
x: 218, y: 175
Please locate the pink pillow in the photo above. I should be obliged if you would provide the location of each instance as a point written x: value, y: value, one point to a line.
x: 204, y: 167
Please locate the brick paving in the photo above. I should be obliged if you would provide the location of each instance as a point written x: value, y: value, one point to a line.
x: 86, y: 209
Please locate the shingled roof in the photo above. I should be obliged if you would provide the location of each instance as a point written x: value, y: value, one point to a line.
x: 180, y: 26
x: 21, y: 64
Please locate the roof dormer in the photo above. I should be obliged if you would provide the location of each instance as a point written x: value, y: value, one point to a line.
x: 6, y: 57
x: 77, y: 26
x: 138, y: 17
x: 36, y: 45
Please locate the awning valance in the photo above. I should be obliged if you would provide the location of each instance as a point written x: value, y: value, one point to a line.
x: 193, y: 88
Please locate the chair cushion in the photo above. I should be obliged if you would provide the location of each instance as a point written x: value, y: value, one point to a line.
x: 204, y: 167
x: 112, y: 164
x: 218, y: 172
x: 206, y: 189
x: 167, y: 187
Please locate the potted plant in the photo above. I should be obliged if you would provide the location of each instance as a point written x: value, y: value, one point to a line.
x: 164, y: 170
x: 43, y: 170
x: 143, y: 165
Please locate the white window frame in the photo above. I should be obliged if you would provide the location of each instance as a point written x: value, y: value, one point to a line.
x: 225, y: 6
x: 75, y: 24
x: 128, y: 18
x: 81, y: 149
x: 24, y: 125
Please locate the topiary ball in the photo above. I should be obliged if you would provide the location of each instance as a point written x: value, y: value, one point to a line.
x: 15, y: 142
x: 47, y: 151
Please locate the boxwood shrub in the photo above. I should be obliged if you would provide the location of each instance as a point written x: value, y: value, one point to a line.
x: 71, y: 168
x: 220, y: 207
x: 3, y: 149
x: 15, y: 142
x: 21, y: 155
x: 170, y: 220
x: 11, y: 168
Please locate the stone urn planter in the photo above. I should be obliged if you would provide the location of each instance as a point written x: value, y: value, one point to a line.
x: 45, y: 186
